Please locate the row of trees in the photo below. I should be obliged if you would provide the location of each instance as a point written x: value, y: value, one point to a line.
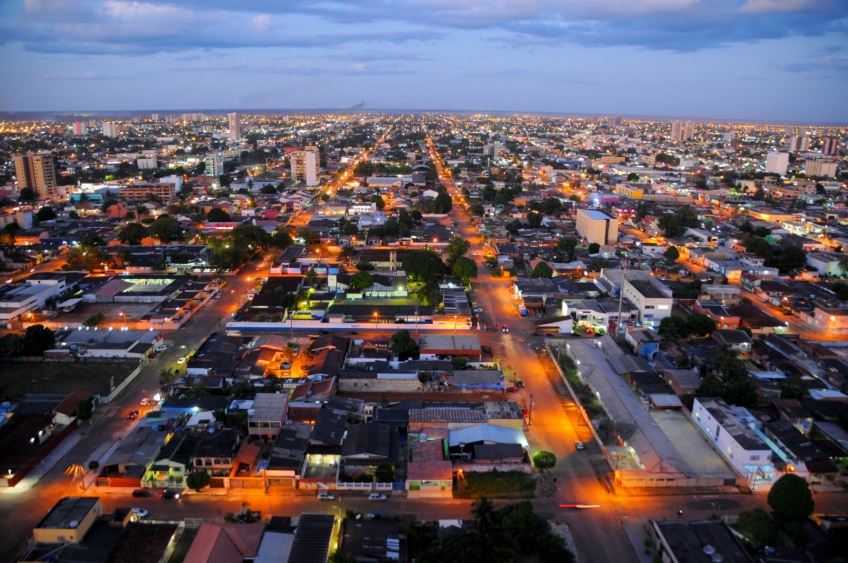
x: 677, y: 328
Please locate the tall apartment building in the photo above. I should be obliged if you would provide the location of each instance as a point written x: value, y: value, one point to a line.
x: 214, y: 165
x: 234, y: 126
x: 80, y: 128
x: 688, y: 131
x: 777, y: 162
x: 139, y: 192
x: 36, y: 171
x: 797, y: 144
x: 676, y: 131
x: 304, y: 165
x: 597, y: 226
x: 830, y: 146
x: 820, y: 167
x: 111, y: 129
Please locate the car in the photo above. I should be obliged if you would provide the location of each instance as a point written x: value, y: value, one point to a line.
x: 478, y: 309
x: 376, y: 497
x: 132, y: 415
x: 139, y: 512
x: 486, y: 349
x: 539, y: 315
x: 376, y: 516
x: 145, y: 401
x: 141, y: 493
x: 519, y: 383
x: 525, y: 412
x: 505, y: 329
x: 579, y: 445
x: 181, y: 361
x: 325, y: 331
x: 326, y: 496
x: 511, y: 389
x: 353, y: 332
x: 170, y: 495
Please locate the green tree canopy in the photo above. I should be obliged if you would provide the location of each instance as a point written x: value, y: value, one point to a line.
x: 793, y: 387
x: 672, y: 253
x: 46, y: 214
x: 594, y: 248
x: 132, y: 233
x: 464, y: 268
x: 166, y: 228
x: 544, y: 460
x: 673, y: 329
x: 361, y: 280
x: 567, y: 246
x: 542, y: 270
x: 792, y: 258
x: 790, y: 498
x: 402, y: 344
x: 84, y: 409
x: 423, y: 265
x: 378, y: 200
x: 699, y: 324
x: 197, y: 480
x: 444, y: 204
x: 759, y: 526
x: 217, y: 215
x: 457, y: 247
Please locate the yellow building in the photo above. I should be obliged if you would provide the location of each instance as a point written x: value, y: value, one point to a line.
x: 69, y: 520
x: 630, y: 191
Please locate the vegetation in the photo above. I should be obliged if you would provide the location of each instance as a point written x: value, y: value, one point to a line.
x: 84, y: 410
x: 790, y: 498
x: 498, y: 484
x: 132, y: 233
x: 197, y: 480
x: 542, y: 270
x: 361, y: 280
x: 33, y: 342
x: 424, y: 265
x: 672, y: 253
x: 675, y: 224
x: 758, y: 526
x: 544, y: 460
x: 402, y: 344
x: 465, y: 269
x: 95, y: 320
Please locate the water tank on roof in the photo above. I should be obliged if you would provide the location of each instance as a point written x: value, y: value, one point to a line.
x: 73, y: 524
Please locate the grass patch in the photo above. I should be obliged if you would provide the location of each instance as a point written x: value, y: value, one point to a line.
x: 494, y: 484
x: 21, y: 378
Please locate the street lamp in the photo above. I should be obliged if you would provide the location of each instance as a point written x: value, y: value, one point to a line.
x: 375, y: 320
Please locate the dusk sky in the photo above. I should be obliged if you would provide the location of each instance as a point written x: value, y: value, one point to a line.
x: 777, y: 60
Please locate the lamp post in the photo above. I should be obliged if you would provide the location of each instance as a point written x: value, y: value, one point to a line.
x: 375, y: 320
x: 126, y: 322
x: 530, y: 417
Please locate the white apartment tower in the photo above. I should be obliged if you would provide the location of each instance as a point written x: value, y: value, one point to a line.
x: 214, y: 165
x: 820, y: 167
x: 304, y: 165
x: 688, y: 131
x: 830, y: 146
x: 235, y: 128
x: 676, y: 131
x: 80, y: 128
x: 111, y: 129
x: 777, y: 162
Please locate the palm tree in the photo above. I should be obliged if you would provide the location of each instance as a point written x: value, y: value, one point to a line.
x: 482, y: 509
x: 347, y: 253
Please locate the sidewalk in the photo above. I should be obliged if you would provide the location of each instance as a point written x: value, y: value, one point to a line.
x: 637, y: 535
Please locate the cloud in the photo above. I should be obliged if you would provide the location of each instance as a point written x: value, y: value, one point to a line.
x: 299, y: 70
x: 85, y: 76
x: 768, y: 6
x: 838, y: 65
x: 261, y: 23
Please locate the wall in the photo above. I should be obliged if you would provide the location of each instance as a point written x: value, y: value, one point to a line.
x: 380, y: 385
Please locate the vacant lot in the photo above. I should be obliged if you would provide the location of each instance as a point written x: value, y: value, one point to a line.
x: 20, y: 378
x: 494, y: 484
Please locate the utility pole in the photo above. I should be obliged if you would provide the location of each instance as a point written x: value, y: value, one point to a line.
x: 626, y: 263
x: 530, y: 418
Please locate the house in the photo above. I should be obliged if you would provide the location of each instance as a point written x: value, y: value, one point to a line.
x: 378, y: 541
x: 214, y: 454
x: 429, y: 474
x: 682, y: 381
x: 719, y: 315
x: 65, y: 413
x: 432, y: 346
x: 225, y: 543
x: 736, y: 340
x: 368, y: 445
x: 312, y: 538
x: 652, y: 298
x: 685, y: 542
x: 645, y: 342
x: 69, y: 520
x: 267, y: 415
x: 170, y: 466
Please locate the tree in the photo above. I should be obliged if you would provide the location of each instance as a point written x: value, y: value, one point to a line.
x: 312, y: 278
x: 483, y: 510
x: 711, y: 386
x: 792, y: 257
x: 402, y: 344
x: 464, y: 268
x: 476, y: 209
x: 197, y: 480
x: 166, y: 228
x: 36, y: 340
x: 84, y: 409
x: 790, y: 498
x: 594, y: 248
x: 364, y: 266
x: 459, y: 362
x: 94, y: 320
x: 347, y: 253
x: 339, y: 556
x: 378, y: 200
x: 456, y: 248
x: 544, y: 460
x: 534, y: 220
x: 361, y: 280
x: 93, y: 464
x: 384, y: 472
x: 46, y: 214
x: 699, y: 324
x: 673, y: 329
x: 542, y: 270
x: 444, y: 204
x: 27, y: 194
x: 632, y: 177
x: 217, y: 215
x: 793, y: 387
x: 280, y: 239
x: 727, y: 364
x: 672, y: 253
x: 741, y: 391
x: 423, y: 265
x: 132, y: 233
x: 567, y: 246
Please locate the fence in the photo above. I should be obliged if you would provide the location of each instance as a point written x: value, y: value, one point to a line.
x: 577, y: 402
x: 123, y: 385
x: 40, y: 455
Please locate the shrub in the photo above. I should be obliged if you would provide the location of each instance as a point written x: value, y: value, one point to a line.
x: 544, y: 460
x: 198, y: 480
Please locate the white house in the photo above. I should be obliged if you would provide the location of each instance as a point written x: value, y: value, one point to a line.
x: 653, y: 299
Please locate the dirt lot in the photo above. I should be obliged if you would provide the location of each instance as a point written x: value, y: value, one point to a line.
x: 20, y: 378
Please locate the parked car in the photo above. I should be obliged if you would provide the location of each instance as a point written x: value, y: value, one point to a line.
x: 139, y: 512
x: 170, y: 495
x: 376, y: 515
x: 536, y: 334
x: 478, y: 309
x: 141, y: 493
x: 145, y: 401
x: 353, y: 332
x: 519, y: 383
x: 132, y: 415
x: 326, y: 496
x: 181, y: 361
x: 512, y: 389
x: 579, y: 445
x: 325, y: 331
x: 376, y: 496
x: 486, y: 349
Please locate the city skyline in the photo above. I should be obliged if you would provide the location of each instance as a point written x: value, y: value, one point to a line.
x: 740, y: 60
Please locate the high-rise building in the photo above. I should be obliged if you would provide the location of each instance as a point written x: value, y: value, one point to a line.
x: 820, y: 167
x: 111, y: 129
x: 214, y: 165
x: 80, y: 128
x: 688, y: 131
x: 792, y: 143
x: 304, y: 165
x: 676, y: 131
x: 154, y: 117
x: 804, y: 144
x: 777, y: 162
x: 596, y: 226
x: 235, y: 128
x: 830, y: 146
x: 37, y: 172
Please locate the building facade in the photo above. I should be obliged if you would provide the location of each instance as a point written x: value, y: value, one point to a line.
x: 234, y: 127
x: 305, y: 165
x: 37, y: 172
x: 597, y: 226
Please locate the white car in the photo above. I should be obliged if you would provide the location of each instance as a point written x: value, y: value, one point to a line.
x: 579, y: 445
x: 139, y: 512
x: 478, y: 309
x: 181, y: 361
x: 145, y: 401
x: 376, y: 496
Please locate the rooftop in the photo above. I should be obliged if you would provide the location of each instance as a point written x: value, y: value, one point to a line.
x: 68, y: 511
